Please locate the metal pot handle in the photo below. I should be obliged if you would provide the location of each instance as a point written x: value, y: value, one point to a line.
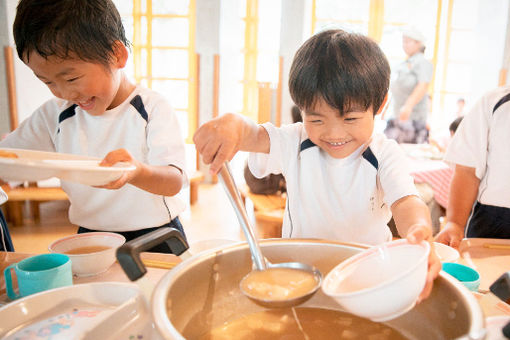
x: 128, y: 254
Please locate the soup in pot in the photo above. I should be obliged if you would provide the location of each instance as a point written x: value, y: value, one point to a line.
x: 302, y: 323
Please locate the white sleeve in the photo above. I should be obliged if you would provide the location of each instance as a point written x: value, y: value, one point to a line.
x: 37, y: 132
x: 394, y: 173
x: 284, y: 145
x: 164, y: 138
x: 468, y: 146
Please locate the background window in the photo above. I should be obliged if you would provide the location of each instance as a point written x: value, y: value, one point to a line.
x: 162, y: 58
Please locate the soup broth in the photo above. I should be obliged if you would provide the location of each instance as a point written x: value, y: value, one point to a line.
x: 302, y: 323
x: 86, y: 250
x: 278, y: 283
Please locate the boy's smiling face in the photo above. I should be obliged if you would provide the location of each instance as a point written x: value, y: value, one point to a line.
x: 338, y: 136
x: 92, y: 86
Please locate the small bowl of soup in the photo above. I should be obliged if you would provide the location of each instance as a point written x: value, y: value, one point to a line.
x: 90, y: 253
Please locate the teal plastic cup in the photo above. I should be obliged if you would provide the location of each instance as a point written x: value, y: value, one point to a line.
x: 466, y: 275
x: 38, y: 273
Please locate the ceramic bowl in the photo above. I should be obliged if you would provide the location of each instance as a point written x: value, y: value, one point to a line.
x: 446, y: 253
x: 466, y: 275
x: 90, y: 253
x: 382, y: 282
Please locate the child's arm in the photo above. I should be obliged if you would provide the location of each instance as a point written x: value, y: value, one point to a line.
x: 219, y: 139
x: 412, y: 218
x: 159, y: 180
x: 463, y: 193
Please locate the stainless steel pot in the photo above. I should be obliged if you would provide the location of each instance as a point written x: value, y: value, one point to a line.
x: 203, y: 292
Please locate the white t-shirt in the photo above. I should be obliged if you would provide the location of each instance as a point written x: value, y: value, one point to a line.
x: 144, y: 124
x: 482, y: 141
x: 345, y: 199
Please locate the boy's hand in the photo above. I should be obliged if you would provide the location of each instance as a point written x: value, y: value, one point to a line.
x: 120, y: 155
x: 451, y: 235
x: 219, y: 139
x: 416, y: 234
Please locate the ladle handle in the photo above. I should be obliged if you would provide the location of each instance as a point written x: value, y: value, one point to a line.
x: 235, y: 198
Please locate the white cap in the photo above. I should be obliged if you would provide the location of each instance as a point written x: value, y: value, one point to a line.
x: 413, y: 33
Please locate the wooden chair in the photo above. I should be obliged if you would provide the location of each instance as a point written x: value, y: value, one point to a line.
x: 34, y: 195
x: 195, y: 179
x: 268, y: 210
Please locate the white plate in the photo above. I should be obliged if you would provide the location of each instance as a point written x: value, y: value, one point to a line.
x: 446, y: 253
x: 34, y: 166
x: 106, y: 310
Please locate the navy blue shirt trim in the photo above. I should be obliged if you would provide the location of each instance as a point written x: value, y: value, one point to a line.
x: 305, y: 145
x: 501, y: 102
x: 370, y: 157
x: 138, y: 105
x: 67, y: 113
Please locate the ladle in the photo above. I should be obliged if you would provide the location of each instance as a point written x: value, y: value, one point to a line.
x: 258, y: 259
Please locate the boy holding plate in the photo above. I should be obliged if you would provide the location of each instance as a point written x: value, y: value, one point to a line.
x: 79, y: 49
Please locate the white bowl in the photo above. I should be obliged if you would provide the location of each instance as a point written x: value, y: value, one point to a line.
x: 89, y: 263
x: 382, y: 282
x: 446, y: 253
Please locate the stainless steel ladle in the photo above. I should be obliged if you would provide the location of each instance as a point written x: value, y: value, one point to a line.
x: 258, y: 259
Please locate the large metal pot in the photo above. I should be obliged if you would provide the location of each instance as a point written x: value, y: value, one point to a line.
x: 203, y: 292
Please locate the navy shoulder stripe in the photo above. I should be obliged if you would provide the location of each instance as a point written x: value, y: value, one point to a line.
x: 370, y: 157
x: 138, y: 105
x: 67, y: 113
x: 306, y: 144
x: 501, y: 102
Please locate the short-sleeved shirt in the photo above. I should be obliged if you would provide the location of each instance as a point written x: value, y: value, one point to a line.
x: 416, y: 69
x: 144, y: 124
x: 345, y: 199
x: 482, y: 141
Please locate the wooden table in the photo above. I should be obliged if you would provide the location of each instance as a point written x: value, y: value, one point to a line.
x: 114, y: 273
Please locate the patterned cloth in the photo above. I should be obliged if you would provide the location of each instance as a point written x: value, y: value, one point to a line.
x: 435, y: 173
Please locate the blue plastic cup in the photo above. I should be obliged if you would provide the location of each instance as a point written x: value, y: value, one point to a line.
x: 39, y: 273
x: 466, y: 275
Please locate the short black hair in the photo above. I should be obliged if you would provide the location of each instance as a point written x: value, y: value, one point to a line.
x: 455, y: 124
x: 86, y: 29
x: 344, y: 69
x: 296, y: 114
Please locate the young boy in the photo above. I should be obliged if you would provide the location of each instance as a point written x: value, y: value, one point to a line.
x: 479, y: 200
x: 343, y: 182
x: 79, y: 49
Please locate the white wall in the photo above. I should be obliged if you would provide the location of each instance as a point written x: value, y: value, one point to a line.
x: 490, y: 45
x: 294, y: 13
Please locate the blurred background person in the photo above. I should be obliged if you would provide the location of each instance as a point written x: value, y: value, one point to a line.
x: 411, y: 106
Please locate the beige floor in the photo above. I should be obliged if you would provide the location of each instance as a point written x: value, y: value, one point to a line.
x: 212, y: 217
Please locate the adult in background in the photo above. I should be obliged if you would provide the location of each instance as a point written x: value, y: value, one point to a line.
x: 409, y: 92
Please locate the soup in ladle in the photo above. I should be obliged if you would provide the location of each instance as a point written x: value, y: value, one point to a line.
x: 278, y: 283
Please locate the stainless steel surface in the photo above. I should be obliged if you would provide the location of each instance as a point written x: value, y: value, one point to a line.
x: 203, y: 292
x: 258, y: 259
